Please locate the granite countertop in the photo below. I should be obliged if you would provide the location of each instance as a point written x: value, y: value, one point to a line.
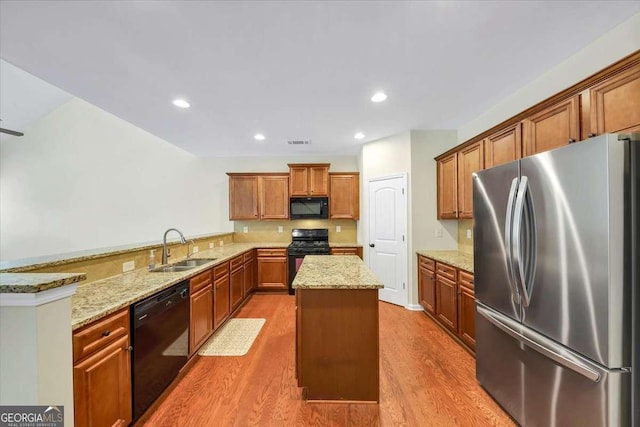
x: 23, y: 283
x: 458, y: 259
x: 335, y: 272
x: 95, y: 300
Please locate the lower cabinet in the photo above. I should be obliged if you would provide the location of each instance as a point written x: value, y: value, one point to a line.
x: 347, y: 251
x: 249, y: 278
x: 447, y: 294
x: 236, y: 281
x: 102, y: 372
x: 272, y: 269
x: 221, y: 294
x: 201, y: 309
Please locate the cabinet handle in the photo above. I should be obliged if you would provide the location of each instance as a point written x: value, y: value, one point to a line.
x: 591, y: 135
x: 571, y: 140
x: 130, y: 348
x: 106, y: 333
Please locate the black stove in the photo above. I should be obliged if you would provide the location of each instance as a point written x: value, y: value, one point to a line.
x: 305, y: 241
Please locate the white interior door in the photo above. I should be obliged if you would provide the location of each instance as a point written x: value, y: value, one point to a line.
x: 387, y: 236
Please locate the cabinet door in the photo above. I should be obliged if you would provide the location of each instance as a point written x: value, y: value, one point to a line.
x: 237, y: 284
x: 243, y: 197
x: 201, y: 317
x: 470, y: 160
x: 615, y: 103
x: 298, y: 184
x: 552, y: 127
x: 448, y: 187
x: 272, y: 273
x: 221, y: 301
x: 249, y: 276
x: 347, y: 251
x: 319, y: 181
x: 446, y: 304
x: 344, y: 201
x: 427, y: 289
x: 466, y: 314
x: 274, y: 197
x: 503, y: 147
x: 102, y: 387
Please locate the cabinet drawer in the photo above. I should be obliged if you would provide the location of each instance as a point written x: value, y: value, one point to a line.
x: 100, y: 333
x: 465, y: 279
x: 427, y: 263
x: 200, y: 281
x: 447, y: 271
x: 272, y: 252
x: 220, y: 271
x: 236, y: 263
x: 248, y: 256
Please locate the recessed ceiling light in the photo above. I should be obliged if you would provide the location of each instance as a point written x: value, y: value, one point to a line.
x: 259, y: 137
x: 379, y: 97
x: 359, y: 135
x: 181, y: 103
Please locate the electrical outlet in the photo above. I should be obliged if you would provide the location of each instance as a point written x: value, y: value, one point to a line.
x: 128, y: 266
x: 338, y: 229
x: 245, y: 229
x: 221, y: 242
x: 438, y: 231
x: 280, y: 229
x: 195, y: 249
x: 468, y: 233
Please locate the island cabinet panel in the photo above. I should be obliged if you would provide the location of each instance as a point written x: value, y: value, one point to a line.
x: 243, y: 197
x: 504, y: 146
x: 274, y: 197
x: 615, y: 103
x: 338, y: 354
x: 552, y: 127
x: 222, y: 294
x: 200, y: 309
x: 448, y: 187
x: 466, y: 309
x: 272, y: 269
x: 446, y: 293
x: 102, y: 372
x: 344, y: 201
x: 356, y: 250
x: 249, y: 278
x: 427, y: 284
x: 470, y: 160
x: 236, y: 281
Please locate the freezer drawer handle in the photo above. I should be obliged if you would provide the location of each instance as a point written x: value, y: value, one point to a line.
x: 549, y: 349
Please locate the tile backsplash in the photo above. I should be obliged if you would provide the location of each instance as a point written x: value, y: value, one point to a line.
x: 465, y: 244
x: 268, y: 231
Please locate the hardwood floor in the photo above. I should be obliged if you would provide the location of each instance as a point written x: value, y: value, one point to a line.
x: 426, y: 379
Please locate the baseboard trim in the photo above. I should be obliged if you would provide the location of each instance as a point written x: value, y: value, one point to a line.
x: 414, y: 307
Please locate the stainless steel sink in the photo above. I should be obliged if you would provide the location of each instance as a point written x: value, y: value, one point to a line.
x: 183, y: 265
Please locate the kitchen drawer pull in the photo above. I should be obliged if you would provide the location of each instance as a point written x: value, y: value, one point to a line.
x: 106, y: 333
x: 571, y: 140
x: 130, y: 348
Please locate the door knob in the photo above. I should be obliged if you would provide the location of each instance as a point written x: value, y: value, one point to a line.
x: 372, y: 245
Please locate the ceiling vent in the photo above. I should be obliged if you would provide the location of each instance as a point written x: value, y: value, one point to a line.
x: 299, y: 142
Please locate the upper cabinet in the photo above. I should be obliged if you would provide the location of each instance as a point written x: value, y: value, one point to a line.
x: 344, y: 201
x: 309, y: 179
x: 470, y: 160
x: 615, y: 103
x: 448, y: 187
x: 552, y: 127
x: 258, y: 196
x: 503, y: 146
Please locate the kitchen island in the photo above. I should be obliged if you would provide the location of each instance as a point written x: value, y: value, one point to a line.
x: 337, y: 356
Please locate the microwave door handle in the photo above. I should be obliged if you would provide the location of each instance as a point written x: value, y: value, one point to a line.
x: 508, y: 239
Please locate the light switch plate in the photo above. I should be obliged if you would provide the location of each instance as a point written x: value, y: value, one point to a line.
x: 438, y: 231
x: 468, y: 233
x: 211, y: 245
x: 128, y: 266
x: 221, y: 242
x: 195, y: 249
x: 338, y: 229
x: 245, y: 229
x: 280, y: 229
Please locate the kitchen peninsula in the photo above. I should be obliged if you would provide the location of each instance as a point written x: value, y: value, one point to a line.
x: 337, y: 356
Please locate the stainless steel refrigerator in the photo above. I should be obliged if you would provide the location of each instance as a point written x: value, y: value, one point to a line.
x: 556, y: 255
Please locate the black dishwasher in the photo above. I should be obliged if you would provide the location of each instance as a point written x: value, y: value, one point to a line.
x: 160, y: 343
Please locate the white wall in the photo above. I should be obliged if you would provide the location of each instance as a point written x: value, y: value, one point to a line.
x: 623, y: 40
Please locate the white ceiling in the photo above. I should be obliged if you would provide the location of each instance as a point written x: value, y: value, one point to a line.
x: 295, y: 70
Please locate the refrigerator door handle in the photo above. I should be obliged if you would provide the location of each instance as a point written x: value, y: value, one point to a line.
x: 508, y: 243
x: 517, y: 232
x: 543, y: 346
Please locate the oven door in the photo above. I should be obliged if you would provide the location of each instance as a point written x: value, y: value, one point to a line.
x: 295, y: 260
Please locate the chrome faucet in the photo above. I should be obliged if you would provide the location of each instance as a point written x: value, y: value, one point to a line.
x: 165, y: 251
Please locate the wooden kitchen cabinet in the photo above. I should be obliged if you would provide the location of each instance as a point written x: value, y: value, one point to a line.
x: 249, y: 278
x: 427, y: 284
x: 102, y: 372
x: 272, y: 269
x: 200, y: 309
x: 274, y: 197
x: 221, y: 296
x: 356, y: 250
x: 236, y: 281
x: 553, y: 127
x: 466, y: 309
x: 258, y: 196
x: 243, y: 197
x: 308, y: 179
x: 615, y: 103
x: 503, y: 146
x: 448, y: 187
x: 470, y: 160
x: 344, y: 199
x: 446, y: 296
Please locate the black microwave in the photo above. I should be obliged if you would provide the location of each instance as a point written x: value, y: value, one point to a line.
x: 309, y: 208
